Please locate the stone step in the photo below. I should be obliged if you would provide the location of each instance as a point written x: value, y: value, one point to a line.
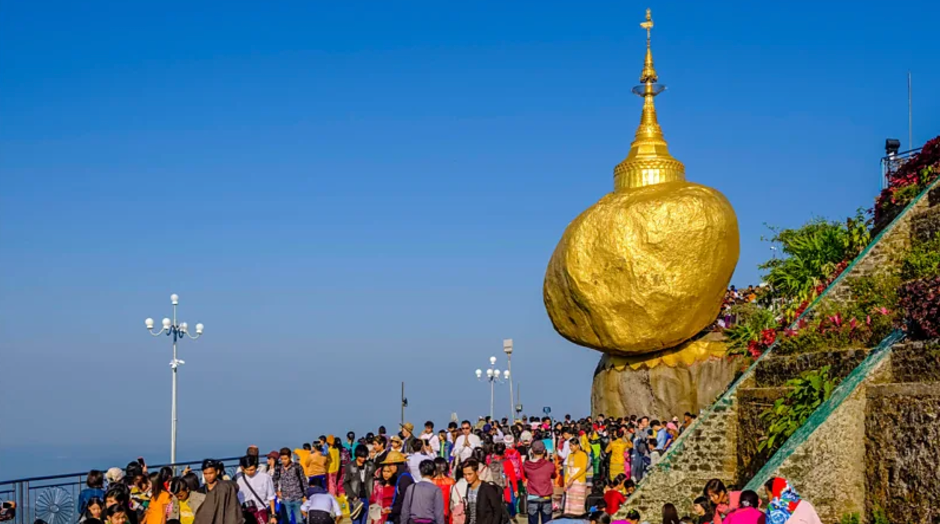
x: 774, y: 371
x: 916, y: 362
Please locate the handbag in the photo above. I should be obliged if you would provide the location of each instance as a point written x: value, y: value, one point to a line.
x: 375, y: 512
x: 249, y: 508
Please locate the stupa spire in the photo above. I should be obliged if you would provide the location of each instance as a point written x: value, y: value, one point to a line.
x: 648, y: 161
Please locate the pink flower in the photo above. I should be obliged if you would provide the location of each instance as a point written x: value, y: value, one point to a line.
x: 867, y: 320
x: 883, y: 310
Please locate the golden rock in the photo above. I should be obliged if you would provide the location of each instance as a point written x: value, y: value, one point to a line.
x: 646, y: 267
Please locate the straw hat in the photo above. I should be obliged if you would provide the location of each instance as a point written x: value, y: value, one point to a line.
x: 394, y: 457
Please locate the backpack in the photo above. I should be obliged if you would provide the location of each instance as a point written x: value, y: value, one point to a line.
x: 498, y: 474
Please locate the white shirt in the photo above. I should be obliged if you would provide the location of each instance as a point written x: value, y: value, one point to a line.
x: 263, y: 486
x: 322, y: 502
x: 457, y: 494
x: 433, y: 441
x: 463, y: 452
x: 414, y: 461
x: 564, y: 451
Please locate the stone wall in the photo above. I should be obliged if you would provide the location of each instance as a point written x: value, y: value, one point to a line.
x: 903, y: 452
x: 775, y: 371
x: 828, y: 468
x: 893, y: 243
x: 916, y: 362
x: 751, y: 403
x: 707, y: 450
x: 926, y: 224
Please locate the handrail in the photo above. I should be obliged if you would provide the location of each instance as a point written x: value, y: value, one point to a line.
x: 84, y: 473
x: 818, y: 417
x: 723, y: 400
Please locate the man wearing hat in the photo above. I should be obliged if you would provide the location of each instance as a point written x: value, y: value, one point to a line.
x: 408, y: 435
x: 396, y: 461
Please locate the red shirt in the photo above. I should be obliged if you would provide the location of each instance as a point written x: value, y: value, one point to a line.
x: 613, y: 499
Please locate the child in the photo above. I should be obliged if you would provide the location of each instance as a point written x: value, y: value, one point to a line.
x: 613, y: 495
x: 628, y: 487
x: 654, y: 453
x: 595, y: 500
x: 599, y: 517
x: 704, y: 510
x: 633, y: 517
x: 747, y: 512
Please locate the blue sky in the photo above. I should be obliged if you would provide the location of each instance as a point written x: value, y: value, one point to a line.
x: 351, y: 195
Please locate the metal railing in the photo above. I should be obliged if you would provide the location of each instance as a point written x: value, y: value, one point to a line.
x: 54, y: 498
x: 891, y: 163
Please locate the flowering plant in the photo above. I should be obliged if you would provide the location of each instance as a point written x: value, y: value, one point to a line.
x: 908, y: 180
x: 920, y: 300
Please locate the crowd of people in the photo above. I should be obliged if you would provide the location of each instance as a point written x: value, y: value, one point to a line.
x: 490, y: 472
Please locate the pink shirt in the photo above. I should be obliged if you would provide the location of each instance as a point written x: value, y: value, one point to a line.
x: 746, y: 516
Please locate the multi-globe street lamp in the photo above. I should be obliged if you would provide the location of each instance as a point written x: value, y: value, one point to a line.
x: 178, y: 330
x: 492, y: 376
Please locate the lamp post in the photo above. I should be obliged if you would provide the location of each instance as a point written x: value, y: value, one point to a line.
x: 507, y: 348
x: 177, y: 330
x: 492, y: 376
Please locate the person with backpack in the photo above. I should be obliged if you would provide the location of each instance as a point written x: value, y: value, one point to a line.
x: 482, y: 500
x: 503, y: 475
x: 403, y: 481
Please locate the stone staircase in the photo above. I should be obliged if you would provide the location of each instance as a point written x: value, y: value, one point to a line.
x: 770, y: 376
x: 723, y: 442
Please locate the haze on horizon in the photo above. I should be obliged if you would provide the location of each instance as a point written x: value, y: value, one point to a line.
x: 350, y: 196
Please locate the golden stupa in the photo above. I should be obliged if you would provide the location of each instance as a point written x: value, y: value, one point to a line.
x: 646, y: 267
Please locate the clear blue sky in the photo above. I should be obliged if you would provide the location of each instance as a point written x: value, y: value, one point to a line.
x: 354, y: 194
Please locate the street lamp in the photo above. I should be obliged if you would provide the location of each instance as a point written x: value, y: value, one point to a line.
x: 492, y: 376
x: 178, y: 330
x: 507, y: 348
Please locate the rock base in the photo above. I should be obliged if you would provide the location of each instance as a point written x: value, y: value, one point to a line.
x: 668, y: 383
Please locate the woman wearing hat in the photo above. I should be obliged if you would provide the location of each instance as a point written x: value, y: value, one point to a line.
x: 404, y: 479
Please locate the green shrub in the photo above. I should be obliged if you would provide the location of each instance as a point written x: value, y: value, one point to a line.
x: 789, y: 412
x: 751, y: 321
x: 871, y: 293
x: 922, y: 261
x: 878, y: 516
x: 850, y: 518
x: 812, y: 253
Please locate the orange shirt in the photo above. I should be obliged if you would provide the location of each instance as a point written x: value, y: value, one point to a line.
x: 316, y: 464
x: 158, y: 509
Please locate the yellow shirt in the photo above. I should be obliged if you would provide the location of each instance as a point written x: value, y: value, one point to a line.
x: 302, y: 456
x: 334, y: 460
x: 576, y: 467
x: 186, y: 513
x: 617, y: 447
